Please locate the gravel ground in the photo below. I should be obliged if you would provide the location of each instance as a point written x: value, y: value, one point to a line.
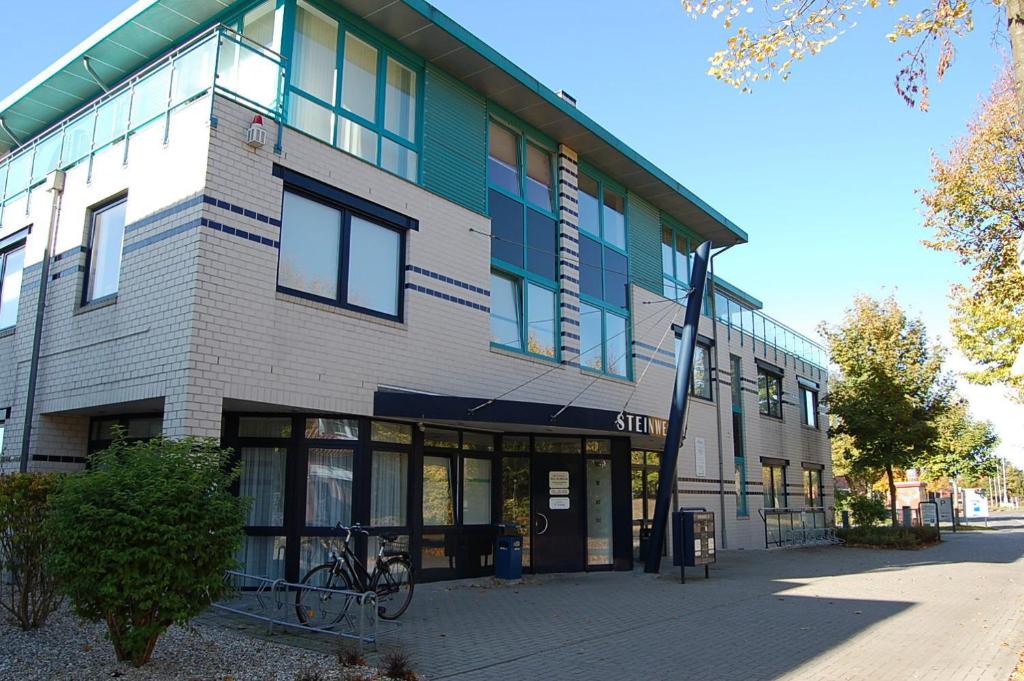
x: 68, y: 649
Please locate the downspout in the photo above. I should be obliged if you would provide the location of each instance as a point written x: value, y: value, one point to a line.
x: 718, y: 404
x: 55, y: 185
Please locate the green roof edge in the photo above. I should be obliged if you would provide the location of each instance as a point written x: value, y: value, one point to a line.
x: 457, y: 31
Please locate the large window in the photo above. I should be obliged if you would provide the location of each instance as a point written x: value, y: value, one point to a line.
x: 524, y: 244
x: 332, y: 254
x: 106, y: 241
x: 675, y: 264
x: 769, y: 393
x: 604, y: 281
x: 12, y: 262
x: 808, y: 405
x: 365, y: 103
x: 812, y: 487
x: 700, y: 386
x: 700, y: 381
x: 738, y: 450
x: 773, y: 479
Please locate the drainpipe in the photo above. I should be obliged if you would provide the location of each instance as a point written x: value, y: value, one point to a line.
x: 55, y: 185
x: 718, y: 404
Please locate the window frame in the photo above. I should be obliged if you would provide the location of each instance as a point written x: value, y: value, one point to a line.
x: 678, y: 231
x: 807, y: 392
x: 16, y: 242
x: 768, y: 490
x: 815, y: 499
x: 306, y: 189
x: 93, y: 212
x: 386, y: 49
x: 600, y: 303
x: 709, y: 367
x: 525, y: 137
x: 768, y: 375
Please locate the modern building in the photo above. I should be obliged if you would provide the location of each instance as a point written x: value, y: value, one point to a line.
x: 410, y: 285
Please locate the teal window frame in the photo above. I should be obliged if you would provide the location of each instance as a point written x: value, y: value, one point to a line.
x: 739, y: 455
x: 605, y: 307
x: 385, y: 49
x: 511, y: 270
x: 680, y: 281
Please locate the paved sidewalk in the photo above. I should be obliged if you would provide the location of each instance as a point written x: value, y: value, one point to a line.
x: 952, y: 612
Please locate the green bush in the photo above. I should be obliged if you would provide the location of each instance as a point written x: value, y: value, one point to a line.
x: 890, y: 537
x: 867, y: 510
x: 145, y: 537
x: 32, y: 592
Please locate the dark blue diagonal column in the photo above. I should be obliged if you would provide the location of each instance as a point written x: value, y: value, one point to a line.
x: 680, y: 399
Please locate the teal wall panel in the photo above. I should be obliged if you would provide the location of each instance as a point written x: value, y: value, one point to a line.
x: 454, y: 141
x: 644, y: 244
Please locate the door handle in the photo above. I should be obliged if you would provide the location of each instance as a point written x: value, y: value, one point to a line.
x: 545, y: 523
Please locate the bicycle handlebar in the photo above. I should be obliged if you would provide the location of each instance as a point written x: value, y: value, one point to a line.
x: 355, y: 528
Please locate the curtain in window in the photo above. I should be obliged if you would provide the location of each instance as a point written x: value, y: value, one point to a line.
x: 314, y: 56
x: 263, y: 471
x: 476, y: 502
x: 389, y: 490
x: 329, y: 487
x: 262, y: 557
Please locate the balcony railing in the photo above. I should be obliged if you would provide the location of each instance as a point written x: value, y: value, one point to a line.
x: 769, y: 331
x: 219, y: 59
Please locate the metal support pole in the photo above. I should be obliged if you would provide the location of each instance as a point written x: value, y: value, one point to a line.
x: 677, y: 413
x: 55, y: 185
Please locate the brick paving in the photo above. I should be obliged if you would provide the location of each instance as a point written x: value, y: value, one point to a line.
x: 952, y: 612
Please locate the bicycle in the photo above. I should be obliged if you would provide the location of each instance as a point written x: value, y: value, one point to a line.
x: 391, y: 580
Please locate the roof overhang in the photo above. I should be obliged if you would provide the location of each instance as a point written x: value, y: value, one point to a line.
x: 150, y: 28
x: 440, y: 40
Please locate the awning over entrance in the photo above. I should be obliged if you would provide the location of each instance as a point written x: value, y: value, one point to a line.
x: 481, y: 410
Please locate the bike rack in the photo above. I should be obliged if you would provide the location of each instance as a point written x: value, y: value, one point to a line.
x: 797, y: 527
x: 354, y: 614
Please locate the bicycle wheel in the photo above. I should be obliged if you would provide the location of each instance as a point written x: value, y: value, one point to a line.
x: 320, y: 609
x: 393, y: 583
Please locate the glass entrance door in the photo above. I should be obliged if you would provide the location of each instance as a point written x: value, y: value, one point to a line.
x: 558, y: 527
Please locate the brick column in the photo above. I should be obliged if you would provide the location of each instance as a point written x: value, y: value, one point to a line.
x: 569, y: 255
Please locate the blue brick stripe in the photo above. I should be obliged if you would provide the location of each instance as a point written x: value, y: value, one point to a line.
x: 448, y: 280
x: 240, y: 210
x: 652, y: 348
x: 240, y: 233
x: 643, y: 358
x: 447, y: 297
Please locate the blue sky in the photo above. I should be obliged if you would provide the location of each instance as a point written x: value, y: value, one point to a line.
x: 821, y: 170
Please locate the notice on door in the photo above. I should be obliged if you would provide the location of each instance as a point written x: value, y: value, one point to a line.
x: 559, y: 491
x: 558, y: 478
x: 558, y: 503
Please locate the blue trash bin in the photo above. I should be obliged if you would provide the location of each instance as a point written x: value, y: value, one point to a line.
x: 508, y: 556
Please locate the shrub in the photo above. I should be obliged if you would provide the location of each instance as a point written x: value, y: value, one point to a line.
x: 867, y: 510
x: 24, y: 546
x: 395, y: 664
x: 890, y: 537
x: 145, y: 537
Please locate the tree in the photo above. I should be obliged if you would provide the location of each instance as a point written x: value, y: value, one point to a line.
x: 145, y: 535
x: 29, y: 590
x: 976, y: 212
x: 889, y: 391
x: 963, y: 447
x: 791, y: 30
